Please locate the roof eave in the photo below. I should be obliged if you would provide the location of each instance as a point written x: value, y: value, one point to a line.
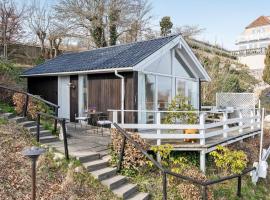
x: 123, y: 69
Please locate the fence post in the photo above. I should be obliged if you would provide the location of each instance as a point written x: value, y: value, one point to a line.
x: 252, y: 114
x: 55, y: 120
x: 115, y: 120
x: 158, y: 130
x: 240, y: 124
x: 225, y: 125
x: 204, y: 197
x: 164, y: 183
x: 202, y: 131
x: 63, y: 123
x: 259, y: 118
x: 25, y: 105
x: 38, y: 127
x: 239, y: 184
x: 121, y: 155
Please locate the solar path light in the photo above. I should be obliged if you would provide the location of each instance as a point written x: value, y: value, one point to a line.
x: 33, y: 153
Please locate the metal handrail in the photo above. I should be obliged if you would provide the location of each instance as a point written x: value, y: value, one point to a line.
x: 165, y: 171
x: 63, y: 125
x: 31, y: 95
x: 56, y: 107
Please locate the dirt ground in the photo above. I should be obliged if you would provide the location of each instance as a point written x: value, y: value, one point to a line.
x: 55, y: 179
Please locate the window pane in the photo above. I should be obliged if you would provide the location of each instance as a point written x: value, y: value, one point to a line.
x: 150, y: 92
x: 164, y: 92
x: 180, y: 87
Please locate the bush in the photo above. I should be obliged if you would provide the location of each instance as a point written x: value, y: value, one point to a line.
x: 34, y: 106
x: 133, y: 158
x: 229, y: 161
x: 9, y: 76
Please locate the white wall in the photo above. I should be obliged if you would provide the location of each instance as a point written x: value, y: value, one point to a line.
x: 253, y: 61
x: 64, y: 96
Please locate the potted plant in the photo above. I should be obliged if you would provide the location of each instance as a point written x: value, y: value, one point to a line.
x: 185, y: 114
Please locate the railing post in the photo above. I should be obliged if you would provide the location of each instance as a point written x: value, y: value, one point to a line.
x: 239, y: 184
x: 63, y: 124
x: 258, y: 118
x: 121, y: 155
x: 202, y: 131
x: 225, y: 125
x: 205, y: 196
x: 115, y: 120
x: 55, y: 120
x: 252, y: 114
x: 158, y: 120
x: 240, y: 124
x: 38, y: 127
x: 164, y: 183
x: 25, y: 105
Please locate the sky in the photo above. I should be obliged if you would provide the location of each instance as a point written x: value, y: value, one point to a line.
x: 223, y: 20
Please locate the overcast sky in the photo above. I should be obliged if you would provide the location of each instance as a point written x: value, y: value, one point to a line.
x: 223, y: 20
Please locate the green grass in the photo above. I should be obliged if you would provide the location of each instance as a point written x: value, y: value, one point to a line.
x: 4, y: 107
x: 3, y: 121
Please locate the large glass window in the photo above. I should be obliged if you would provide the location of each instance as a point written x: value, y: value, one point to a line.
x: 164, y: 92
x: 180, y: 87
x: 150, y: 92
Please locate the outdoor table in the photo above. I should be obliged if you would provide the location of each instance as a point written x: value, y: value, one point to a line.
x: 92, y: 115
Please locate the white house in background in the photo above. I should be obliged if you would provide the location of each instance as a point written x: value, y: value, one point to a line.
x: 252, y: 44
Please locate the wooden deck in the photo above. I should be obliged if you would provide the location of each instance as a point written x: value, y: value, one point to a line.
x: 210, y: 143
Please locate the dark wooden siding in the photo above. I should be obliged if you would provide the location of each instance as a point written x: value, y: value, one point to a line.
x: 105, y: 92
x: 45, y: 87
x: 73, y: 97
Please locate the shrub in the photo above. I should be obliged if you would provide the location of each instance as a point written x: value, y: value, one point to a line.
x: 229, y: 161
x: 34, y: 106
x: 133, y: 158
x: 180, y: 103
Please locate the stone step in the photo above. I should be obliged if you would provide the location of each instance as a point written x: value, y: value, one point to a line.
x: 114, y: 182
x: 28, y: 123
x: 42, y: 133
x: 18, y: 119
x: 85, y: 156
x: 104, y: 173
x: 34, y: 128
x: 95, y: 165
x: 126, y: 190
x: 48, y: 139
x: 139, y: 196
x: 8, y: 115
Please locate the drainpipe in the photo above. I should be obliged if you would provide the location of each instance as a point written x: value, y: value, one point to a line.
x: 122, y: 95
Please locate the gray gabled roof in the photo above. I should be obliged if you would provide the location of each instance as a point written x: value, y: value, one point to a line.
x: 119, y: 56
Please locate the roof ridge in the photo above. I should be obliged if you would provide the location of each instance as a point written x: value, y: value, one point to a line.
x: 123, y: 44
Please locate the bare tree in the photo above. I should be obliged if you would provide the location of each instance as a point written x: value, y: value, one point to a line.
x: 11, y: 19
x: 104, y: 20
x: 39, y: 21
x: 188, y: 31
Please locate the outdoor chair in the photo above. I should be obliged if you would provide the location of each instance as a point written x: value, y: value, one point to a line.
x: 80, y: 119
x: 103, y: 122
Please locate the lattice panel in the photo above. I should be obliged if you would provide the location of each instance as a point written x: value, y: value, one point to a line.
x: 236, y: 100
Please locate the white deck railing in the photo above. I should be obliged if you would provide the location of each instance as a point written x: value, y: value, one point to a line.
x: 238, y: 123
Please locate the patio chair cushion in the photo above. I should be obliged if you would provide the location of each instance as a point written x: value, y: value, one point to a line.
x: 104, y: 122
x: 81, y: 118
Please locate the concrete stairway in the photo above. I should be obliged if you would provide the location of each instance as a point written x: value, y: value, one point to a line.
x: 100, y: 169
x: 45, y: 135
x: 97, y: 165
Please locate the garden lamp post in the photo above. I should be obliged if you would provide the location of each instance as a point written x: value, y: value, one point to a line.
x: 33, y: 153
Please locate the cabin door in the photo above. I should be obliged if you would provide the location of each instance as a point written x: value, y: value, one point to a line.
x: 73, y: 97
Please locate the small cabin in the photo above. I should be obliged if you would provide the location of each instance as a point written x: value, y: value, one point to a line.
x: 143, y: 75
